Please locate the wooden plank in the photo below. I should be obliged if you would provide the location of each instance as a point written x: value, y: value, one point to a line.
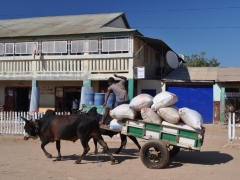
x: 105, y: 127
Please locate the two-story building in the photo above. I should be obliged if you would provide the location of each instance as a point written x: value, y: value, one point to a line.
x: 61, y: 54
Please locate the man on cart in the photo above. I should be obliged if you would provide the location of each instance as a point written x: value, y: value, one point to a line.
x: 120, y: 92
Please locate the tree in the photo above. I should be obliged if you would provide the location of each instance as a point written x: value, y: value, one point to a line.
x: 199, y: 61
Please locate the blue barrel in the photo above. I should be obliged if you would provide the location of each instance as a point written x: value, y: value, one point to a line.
x: 99, y: 99
x: 111, y: 99
x: 89, y: 98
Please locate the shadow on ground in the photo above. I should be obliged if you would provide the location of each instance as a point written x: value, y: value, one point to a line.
x: 203, y: 158
x: 90, y: 158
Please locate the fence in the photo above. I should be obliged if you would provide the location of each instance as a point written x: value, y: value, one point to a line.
x: 12, y: 123
x: 232, y: 127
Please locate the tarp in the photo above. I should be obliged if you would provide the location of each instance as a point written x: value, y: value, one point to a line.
x: 83, y: 92
x: 34, y: 103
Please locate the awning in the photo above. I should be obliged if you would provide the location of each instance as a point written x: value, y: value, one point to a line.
x: 157, y: 44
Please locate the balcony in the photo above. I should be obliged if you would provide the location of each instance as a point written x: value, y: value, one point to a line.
x: 63, y: 67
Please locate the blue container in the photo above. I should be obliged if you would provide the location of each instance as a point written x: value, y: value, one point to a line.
x: 111, y: 99
x: 89, y: 98
x: 99, y: 99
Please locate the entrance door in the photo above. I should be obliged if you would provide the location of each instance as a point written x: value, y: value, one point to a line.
x: 9, y: 99
x: 196, y: 97
x: 22, y: 99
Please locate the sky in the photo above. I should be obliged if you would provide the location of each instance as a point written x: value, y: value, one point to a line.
x: 187, y: 26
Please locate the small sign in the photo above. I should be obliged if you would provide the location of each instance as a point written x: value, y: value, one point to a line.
x: 139, y: 72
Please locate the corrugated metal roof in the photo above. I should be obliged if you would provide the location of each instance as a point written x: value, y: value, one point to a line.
x: 61, y: 25
x: 217, y: 74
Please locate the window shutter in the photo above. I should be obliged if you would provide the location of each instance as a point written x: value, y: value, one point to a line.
x: 60, y: 46
x: 81, y: 46
x: 54, y: 47
x: 9, y: 48
x: 1, y: 49
x: 31, y: 46
x: 105, y: 45
x: 20, y: 48
x: 115, y: 44
x: 93, y: 45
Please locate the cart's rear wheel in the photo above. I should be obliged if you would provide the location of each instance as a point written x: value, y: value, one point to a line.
x: 154, y: 154
x: 173, y: 151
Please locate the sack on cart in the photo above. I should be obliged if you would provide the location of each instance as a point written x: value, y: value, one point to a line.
x: 164, y: 99
x: 141, y: 101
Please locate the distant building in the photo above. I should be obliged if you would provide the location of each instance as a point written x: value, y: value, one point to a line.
x: 212, y: 91
x: 61, y: 54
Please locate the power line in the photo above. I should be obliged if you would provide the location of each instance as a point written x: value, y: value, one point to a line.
x: 178, y: 27
x: 187, y: 9
x: 143, y: 11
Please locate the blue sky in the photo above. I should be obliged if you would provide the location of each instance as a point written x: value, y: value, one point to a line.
x: 187, y: 26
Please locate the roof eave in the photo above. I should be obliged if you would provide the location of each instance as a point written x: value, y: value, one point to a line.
x: 72, y: 35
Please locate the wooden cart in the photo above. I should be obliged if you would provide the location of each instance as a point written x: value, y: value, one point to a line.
x: 164, y: 141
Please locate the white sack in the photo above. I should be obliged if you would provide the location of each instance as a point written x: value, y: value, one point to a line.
x: 141, y: 101
x: 149, y: 115
x: 164, y: 99
x: 169, y: 114
x: 116, y: 124
x: 179, y: 125
x: 123, y: 111
x: 191, y: 117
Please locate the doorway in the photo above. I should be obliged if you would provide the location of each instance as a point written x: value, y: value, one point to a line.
x: 21, y: 99
x: 64, y: 97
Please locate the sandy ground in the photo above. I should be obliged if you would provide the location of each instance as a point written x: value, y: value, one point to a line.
x: 21, y: 159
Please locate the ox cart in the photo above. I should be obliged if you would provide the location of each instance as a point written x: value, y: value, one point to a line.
x: 164, y: 141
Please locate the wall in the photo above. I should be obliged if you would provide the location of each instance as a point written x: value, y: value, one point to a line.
x: 216, y: 92
x: 148, y: 61
x: 45, y: 99
x: 149, y: 84
x: 118, y: 23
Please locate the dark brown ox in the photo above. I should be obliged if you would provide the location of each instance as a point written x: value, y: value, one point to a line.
x: 93, y: 112
x: 53, y: 127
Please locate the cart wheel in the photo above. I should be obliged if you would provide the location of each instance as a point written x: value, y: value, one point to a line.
x: 154, y: 154
x: 173, y: 151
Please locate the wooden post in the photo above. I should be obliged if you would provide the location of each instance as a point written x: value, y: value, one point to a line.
x: 130, y: 88
x: 222, y: 103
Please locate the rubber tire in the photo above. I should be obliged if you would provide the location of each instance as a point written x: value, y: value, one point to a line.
x: 174, y: 151
x: 156, y: 144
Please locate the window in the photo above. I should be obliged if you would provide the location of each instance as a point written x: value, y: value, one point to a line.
x: 9, y: 48
x: 1, y: 49
x: 113, y: 44
x: 25, y: 47
x: 81, y: 46
x: 54, y: 47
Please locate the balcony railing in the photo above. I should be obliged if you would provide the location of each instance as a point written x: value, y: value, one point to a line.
x: 50, y: 69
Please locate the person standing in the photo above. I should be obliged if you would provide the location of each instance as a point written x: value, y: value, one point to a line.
x: 120, y: 92
x: 74, y: 105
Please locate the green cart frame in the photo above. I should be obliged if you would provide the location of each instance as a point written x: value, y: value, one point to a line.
x: 164, y: 141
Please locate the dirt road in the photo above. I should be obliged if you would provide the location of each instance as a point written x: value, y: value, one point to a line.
x: 21, y: 160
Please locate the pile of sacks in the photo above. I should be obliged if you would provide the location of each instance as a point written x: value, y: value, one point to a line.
x: 158, y: 109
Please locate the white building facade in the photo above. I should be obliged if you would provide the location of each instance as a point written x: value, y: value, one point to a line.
x: 60, y: 55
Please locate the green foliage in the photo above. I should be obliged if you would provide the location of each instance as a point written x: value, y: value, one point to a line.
x: 199, y: 61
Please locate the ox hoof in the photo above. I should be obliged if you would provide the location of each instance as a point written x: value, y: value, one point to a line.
x: 49, y: 156
x: 58, y: 159
x: 77, y: 162
x: 112, y: 162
